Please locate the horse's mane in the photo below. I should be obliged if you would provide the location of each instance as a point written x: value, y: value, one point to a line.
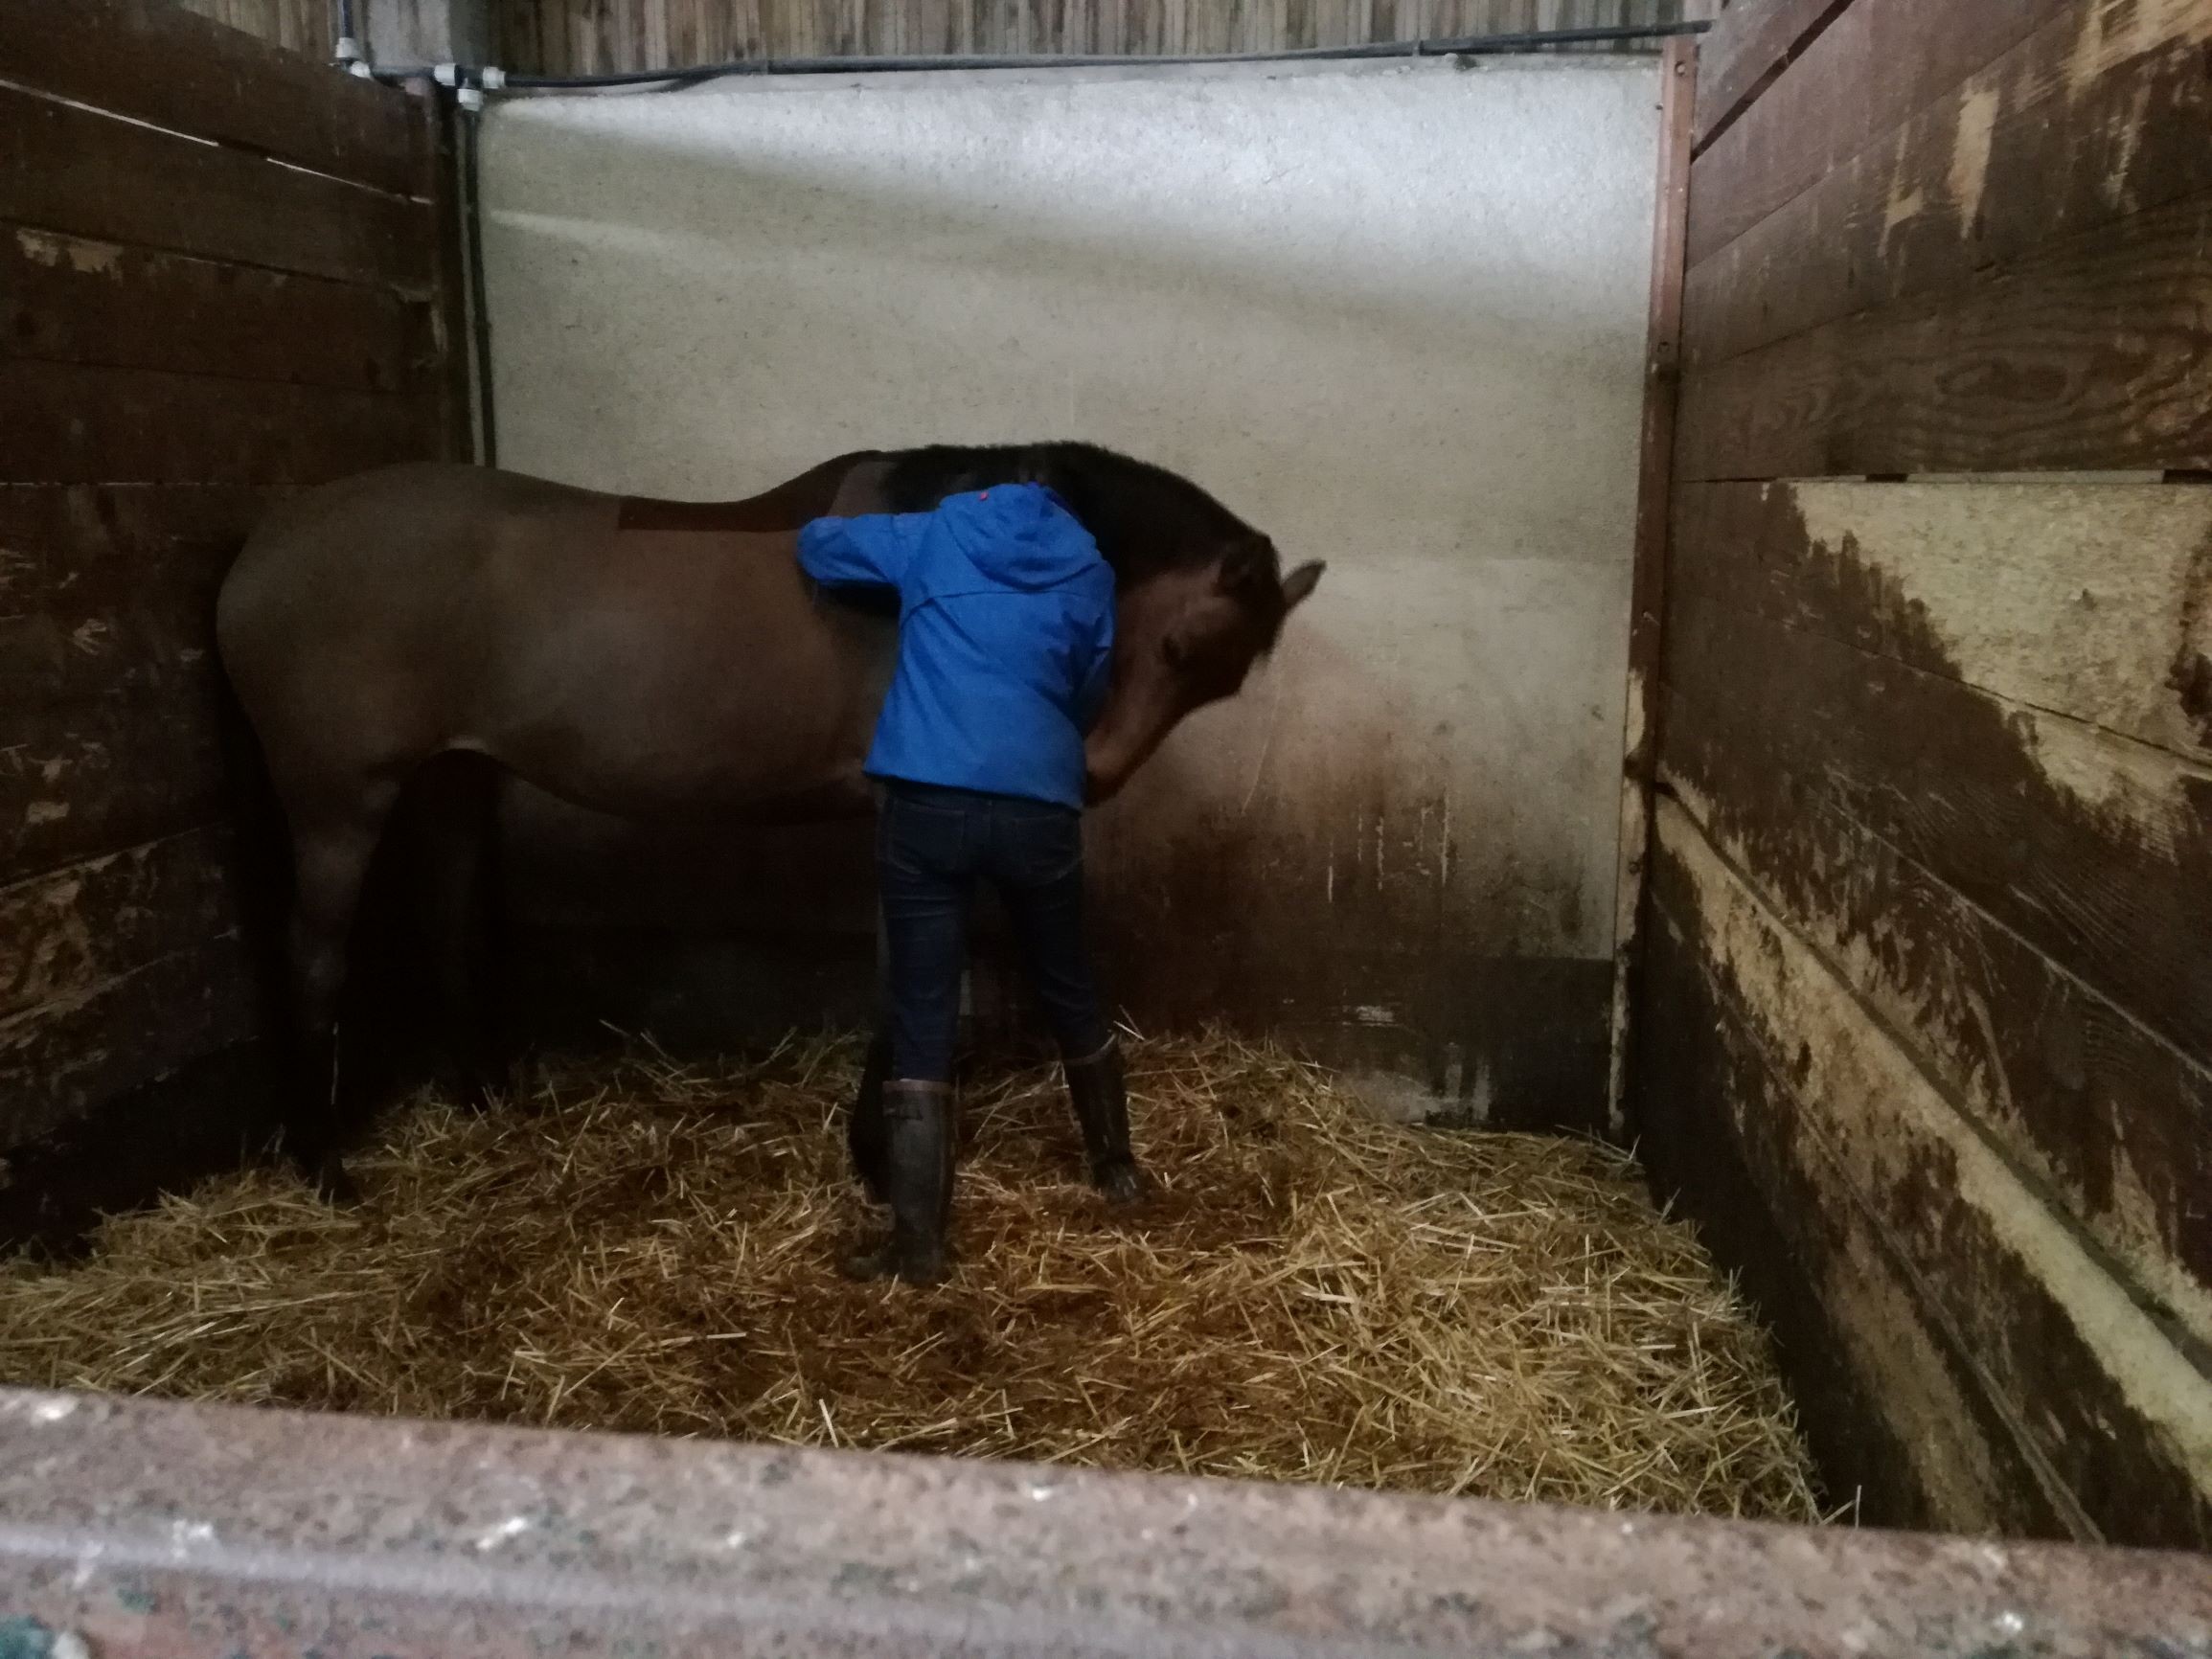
x: 1145, y: 519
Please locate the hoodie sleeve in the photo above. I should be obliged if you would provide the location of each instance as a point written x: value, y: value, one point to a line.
x: 1098, y: 672
x: 874, y: 550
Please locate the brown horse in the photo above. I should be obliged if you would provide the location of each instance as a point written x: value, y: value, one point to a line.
x: 649, y: 658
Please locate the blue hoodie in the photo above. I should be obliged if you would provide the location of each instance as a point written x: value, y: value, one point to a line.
x: 1006, y: 627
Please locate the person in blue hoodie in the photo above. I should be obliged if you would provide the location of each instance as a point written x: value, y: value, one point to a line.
x: 1006, y: 626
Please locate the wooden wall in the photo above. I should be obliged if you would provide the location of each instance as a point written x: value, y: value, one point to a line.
x: 304, y: 25
x: 1926, y: 1026
x: 593, y: 37
x: 227, y: 295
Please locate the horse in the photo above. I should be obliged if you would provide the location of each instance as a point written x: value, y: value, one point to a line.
x: 645, y: 658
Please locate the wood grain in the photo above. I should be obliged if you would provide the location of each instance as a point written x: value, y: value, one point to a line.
x: 1899, y: 1422
x: 66, y: 300
x: 597, y: 36
x: 2096, y: 852
x: 2092, y: 601
x: 74, y: 171
x: 66, y: 934
x: 2066, y: 133
x: 2112, y: 1411
x: 1875, y: 63
x: 1748, y: 49
x: 87, y: 425
x: 82, y: 779
x: 2026, y: 367
x: 2113, y: 1125
x: 162, y: 65
x: 63, y: 1060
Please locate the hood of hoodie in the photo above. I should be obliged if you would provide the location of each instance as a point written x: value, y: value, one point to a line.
x: 1020, y: 536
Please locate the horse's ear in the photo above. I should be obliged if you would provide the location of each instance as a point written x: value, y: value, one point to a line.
x: 1301, y: 582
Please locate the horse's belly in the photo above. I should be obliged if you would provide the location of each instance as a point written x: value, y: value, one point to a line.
x: 772, y: 725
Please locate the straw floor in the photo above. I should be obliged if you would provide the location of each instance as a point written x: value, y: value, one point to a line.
x: 1313, y: 1296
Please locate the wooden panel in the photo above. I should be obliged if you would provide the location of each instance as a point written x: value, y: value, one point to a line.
x: 2022, y: 368
x: 81, y: 779
x: 159, y: 63
x: 2071, y: 130
x: 1875, y: 64
x: 70, y: 301
x: 595, y: 36
x: 2113, y: 1124
x: 66, y: 935
x: 129, y: 425
x: 74, y: 171
x: 303, y: 26
x: 112, y: 589
x: 1748, y: 48
x: 1898, y: 1420
x: 2096, y: 852
x: 61, y: 1062
x: 2092, y: 601
x: 2117, y: 1122
x: 2119, y: 1417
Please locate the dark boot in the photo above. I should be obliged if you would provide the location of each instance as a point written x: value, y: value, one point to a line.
x: 917, y: 1118
x: 1097, y: 1089
x: 868, y: 1132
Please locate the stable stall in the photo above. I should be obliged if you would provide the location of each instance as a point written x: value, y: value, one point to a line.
x: 1678, y: 988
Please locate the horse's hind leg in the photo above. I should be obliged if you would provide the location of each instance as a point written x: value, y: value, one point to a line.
x: 331, y: 853
x: 459, y: 817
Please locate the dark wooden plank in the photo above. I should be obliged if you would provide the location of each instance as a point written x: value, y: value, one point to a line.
x: 66, y: 300
x: 1899, y: 1424
x: 2026, y: 367
x: 75, y: 424
x: 60, y: 1062
x: 2096, y: 852
x: 161, y: 64
x: 1871, y: 67
x: 65, y: 935
x: 1745, y: 51
x: 2065, y: 133
x: 77, y: 780
x: 2092, y: 601
x: 2110, y: 1408
x: 74, y: 171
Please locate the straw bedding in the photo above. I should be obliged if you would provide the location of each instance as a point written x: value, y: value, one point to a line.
x: 1313, y: 1296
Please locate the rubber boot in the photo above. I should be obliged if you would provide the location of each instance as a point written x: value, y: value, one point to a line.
x: 919, y: 1138
x: 867, y: 1131
x: 1098, y: 1090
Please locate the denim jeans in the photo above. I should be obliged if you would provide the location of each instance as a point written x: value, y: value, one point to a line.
x: 932, y: 847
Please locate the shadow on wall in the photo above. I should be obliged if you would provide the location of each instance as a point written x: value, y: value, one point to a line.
x: 1417, y: 356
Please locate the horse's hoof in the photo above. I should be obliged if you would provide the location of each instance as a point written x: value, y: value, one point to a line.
x: 908, y: 1267
x: 1123, y: 1183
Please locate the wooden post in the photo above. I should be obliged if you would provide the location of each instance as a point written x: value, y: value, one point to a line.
x: 1662, y: 372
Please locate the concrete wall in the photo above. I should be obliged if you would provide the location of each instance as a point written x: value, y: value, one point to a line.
x: 1394, y: 315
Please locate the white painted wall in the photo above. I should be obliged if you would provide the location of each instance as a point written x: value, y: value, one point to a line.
x: 1392, y: 314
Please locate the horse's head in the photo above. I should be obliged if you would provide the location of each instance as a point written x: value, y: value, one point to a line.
x: 1185, y: 637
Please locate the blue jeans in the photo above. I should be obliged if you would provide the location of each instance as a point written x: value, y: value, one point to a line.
x: 932, y: 845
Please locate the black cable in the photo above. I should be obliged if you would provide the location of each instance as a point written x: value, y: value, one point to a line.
x: 1464, y: 46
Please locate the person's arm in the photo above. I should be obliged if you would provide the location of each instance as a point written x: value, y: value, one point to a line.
x: 1098, y: 674
x: 870, y: 551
